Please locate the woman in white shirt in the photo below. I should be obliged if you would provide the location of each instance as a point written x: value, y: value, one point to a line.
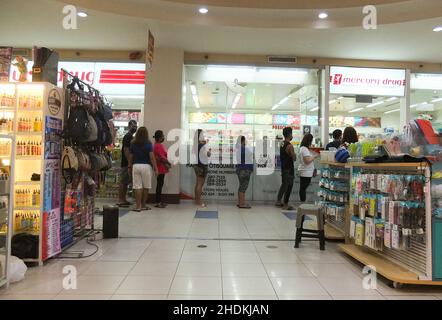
x: 306, y: 166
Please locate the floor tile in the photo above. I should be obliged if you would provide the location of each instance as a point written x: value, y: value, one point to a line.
x: 240, y: 257
x: 411, y: 298
x: 150, y: 268
x: 23, y: 296
x: 310, y: 298
x: 278, y: 257
x: 82, y: 297
x: 192, y: 256
x: 355, y: 297
x: 277, y: 270
x: 243, y: 270
x: 193, y: 297
x: 330, y: 270
x: 145, y: 285
x: 237, y: 246
x: 46, y: 284
x: 95, y: 285
x: 109, y: 268
x: 196, y: 286
x: 161, y: 256
x: 138, y: 297
x: 198, y: 269
x: 352, y: 285
x: 298, y: 286
x: 55, y: 267
x: 243, y: 286
x: 251, y: 298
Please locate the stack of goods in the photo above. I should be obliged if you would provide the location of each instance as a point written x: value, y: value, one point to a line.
x: 27, y: 221
x: 388, y: 210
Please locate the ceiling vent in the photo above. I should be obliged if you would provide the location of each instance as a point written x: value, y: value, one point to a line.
x: 282, y: 59
x: 25, y: 53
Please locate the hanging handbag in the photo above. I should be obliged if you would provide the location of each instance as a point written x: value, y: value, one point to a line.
x: 93, y: 135
x: 69, y: 164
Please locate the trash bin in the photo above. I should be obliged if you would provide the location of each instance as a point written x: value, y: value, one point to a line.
x: 111, y: 219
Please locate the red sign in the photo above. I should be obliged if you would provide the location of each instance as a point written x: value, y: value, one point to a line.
x: 122, y: 77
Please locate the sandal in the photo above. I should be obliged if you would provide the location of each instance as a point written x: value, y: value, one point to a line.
x: 246, y: 206
x: 137, y: 210
x: 124, y: 204
x: 160, y: 205
x: 146, y: 209
x: 289, y: 208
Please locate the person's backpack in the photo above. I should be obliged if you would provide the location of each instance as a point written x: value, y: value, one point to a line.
x: 342, y: 155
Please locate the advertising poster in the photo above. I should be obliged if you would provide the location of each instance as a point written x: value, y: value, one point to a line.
x: 51, y: 233
x: 126, y: 116
x: 53, y: 138
x: 52, y: 185
x: 5, y: 62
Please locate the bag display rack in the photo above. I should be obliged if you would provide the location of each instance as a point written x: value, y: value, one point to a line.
x: 6, y: 208
x: 389, y: 221
x: 33, y: 114
x: 85, y: 158
x: 334, y: 192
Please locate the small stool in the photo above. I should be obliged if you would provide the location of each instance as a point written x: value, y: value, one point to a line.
x: 310, y: 210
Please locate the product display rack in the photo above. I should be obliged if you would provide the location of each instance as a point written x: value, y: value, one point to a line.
x: 409, y: 261
x: 334, y: 178
x: 6, y: 211
x: 37, y: 127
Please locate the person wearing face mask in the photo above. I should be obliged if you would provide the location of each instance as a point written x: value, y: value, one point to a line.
x: 125, y: 178
x: 163, y: 164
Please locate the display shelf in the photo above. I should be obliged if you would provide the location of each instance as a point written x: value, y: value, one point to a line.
x: 387, y: 165
x: 5, y: 108
x: 337, y: 164
x: 29, y: 133
x: 332, y: 233
x: 35, y: 158
x: 27, y: 183
x: 30, y: 109
x: 31, y: 208
x: 385, y: 267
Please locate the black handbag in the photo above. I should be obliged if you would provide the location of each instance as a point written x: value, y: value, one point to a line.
x: 78, y: 127
x: 25, y: 246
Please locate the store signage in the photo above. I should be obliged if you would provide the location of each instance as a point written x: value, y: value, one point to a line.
x: 367, y: 81
x: 5, y: 63
x: 54, y: 102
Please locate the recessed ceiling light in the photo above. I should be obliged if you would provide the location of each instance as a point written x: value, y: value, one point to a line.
x: 203, y: 10
x: 82, y: 14
x: 438, y: 29
x: 323, y: 15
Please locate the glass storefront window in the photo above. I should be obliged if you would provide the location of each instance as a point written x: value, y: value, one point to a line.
x: 426, y: 98
x: 257, y: 102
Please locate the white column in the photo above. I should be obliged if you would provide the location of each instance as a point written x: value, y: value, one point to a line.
x: 405, y: 103
x: 325, y: 107
x: 162, y: 106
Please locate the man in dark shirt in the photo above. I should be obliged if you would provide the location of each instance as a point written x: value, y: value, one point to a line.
x: 337, y: 135
x: 125, y: 179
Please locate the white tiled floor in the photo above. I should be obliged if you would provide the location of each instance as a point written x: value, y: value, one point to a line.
x: 249, y: 255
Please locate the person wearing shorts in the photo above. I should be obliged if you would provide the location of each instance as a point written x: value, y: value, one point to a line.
x: 201, y: 168
x: 125, y: 177
x: 244, y: 170
x: 141, y: 163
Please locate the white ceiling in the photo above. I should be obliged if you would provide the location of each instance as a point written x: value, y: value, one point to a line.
x: 26, y: 23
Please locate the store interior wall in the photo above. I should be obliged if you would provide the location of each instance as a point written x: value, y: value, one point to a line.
x: 162, y: 109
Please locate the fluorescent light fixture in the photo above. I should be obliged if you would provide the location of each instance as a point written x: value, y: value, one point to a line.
x: 193, y: 89
x: 437, y: 29
x: 436, y: 100
x: 414, y: 105
x: 284, y: 100
x: 196, y: 100
x: 231, y: 68
x: 203, y: 10
x: 236, y: 101
x: 276, y: 106
x: 392, y: 99
x: 315, y: 109
x: 340, y: 98
x: 323, y: 15
x: 375, y: 104
x: 282, y: 71
x: 391, y: 111
x: 355, y: 110
x: 82, y: 14
x: 332, y: 101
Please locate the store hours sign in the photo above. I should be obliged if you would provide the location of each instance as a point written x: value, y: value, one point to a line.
x: 367, y: 81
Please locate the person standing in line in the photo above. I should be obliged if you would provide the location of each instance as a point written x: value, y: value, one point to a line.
x: 288, y: 157
x: 349, y: 136
x: 125, y: 177
x: 163, y: 164
x: 306, y: 166
x: 337, y: 135
x: 141, y: 162
x: 244, y: 170
x: 201, y: 168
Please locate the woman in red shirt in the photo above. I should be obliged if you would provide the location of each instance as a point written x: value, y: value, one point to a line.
x: 163, y: 164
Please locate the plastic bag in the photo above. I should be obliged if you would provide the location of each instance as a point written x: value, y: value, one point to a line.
x: 17, y: 270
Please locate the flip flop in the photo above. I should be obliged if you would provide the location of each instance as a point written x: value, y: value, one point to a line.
x: 244, y: 207
x: 137, y: 210
x: 289, y: 208
x: 161, y: 206
x: 146, y: 209
x: 124, y: 204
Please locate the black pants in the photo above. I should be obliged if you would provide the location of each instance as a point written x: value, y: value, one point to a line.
x: 305, y: 182
x: 160, y: 184
x: 288, y: 179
